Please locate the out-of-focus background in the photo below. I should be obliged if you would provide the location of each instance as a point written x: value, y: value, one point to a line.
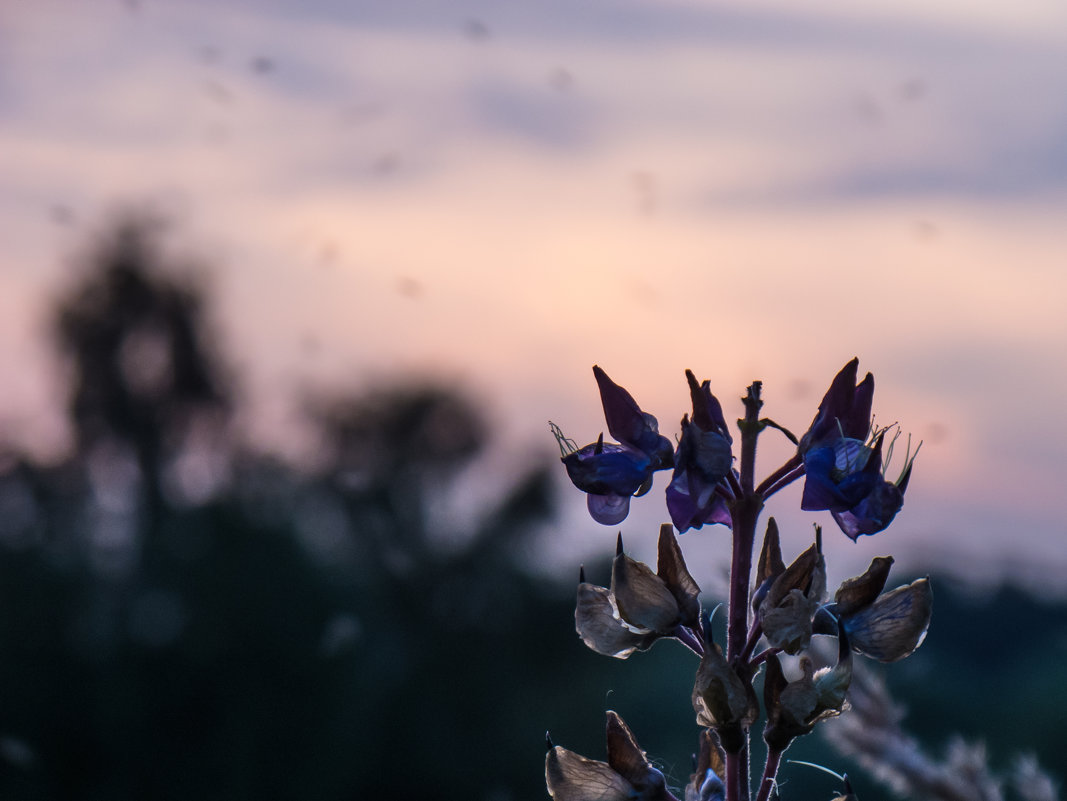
x: 288, y: 292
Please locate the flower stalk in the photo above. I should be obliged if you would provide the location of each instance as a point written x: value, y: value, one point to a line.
x: 844, y: 474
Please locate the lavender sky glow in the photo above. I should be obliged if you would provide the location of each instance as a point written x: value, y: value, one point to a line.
x: 510, y: 192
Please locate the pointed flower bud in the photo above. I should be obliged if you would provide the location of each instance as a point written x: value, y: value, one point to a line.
x: 791, y: 602
x: 641, y: 606
x: 706, y: 783
x: 721, y: 700
x: 626, y: 776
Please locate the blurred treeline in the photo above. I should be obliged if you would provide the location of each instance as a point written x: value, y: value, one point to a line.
x: 184, y: 617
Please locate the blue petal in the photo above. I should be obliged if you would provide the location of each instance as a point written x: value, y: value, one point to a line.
x: 608, y: 469
x: 840, y: 475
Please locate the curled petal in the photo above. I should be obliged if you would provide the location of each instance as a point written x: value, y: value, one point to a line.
x: 873, y: 513
x: 894, y: 625
x: 671, y: 568
x: 608, y: 510
x: 571, y: 777
x: 856, y: 593
x: 597, y: 623
x: 628, y: 760
x: 707, y: 411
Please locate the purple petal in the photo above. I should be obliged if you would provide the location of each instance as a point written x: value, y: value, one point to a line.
x: 626, y: 421
x: 608, y: 509
x: 707, y: 411
x: 631, y: 426
x: 872, y: 514
x: 846, y: 407
x: 689, y: 510
x: 858, y: 420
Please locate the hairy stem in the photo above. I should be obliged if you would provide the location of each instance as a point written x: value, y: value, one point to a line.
x: 770, y: 770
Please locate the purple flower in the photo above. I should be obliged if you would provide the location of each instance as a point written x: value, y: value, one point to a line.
x: 611, y: 473
x: 846, y: 477
x: 844, y: 468
x: 697, y: 493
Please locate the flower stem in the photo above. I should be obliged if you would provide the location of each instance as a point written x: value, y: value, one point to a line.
x: 770, y: 770
x: 782, y: 476
x: 744, y: 514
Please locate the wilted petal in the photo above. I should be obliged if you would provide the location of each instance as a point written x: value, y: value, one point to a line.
x: 856, y: 593
x: 798, y: 576
x: 791, y: 602
x: 627, y: 759
x: 788, y: 625
x: 894, y: 625
x: 571, y: 777
x: 706, y: 782
x: 719, y: 696
x: 771, y: 564
x: 642, y: 597
x: 597, y: 624
x: 787, y: 704
x: 831, y: 683
x: 671, y: 567
x: 794, y: 707
x: 608, y: 510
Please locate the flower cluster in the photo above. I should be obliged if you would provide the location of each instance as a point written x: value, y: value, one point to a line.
x: 774, y: 611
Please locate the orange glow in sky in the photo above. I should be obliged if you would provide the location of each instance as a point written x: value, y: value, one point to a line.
x: 508, y: 193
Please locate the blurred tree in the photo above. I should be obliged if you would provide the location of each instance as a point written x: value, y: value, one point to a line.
x: 169, y: 626
x: 184, y: 618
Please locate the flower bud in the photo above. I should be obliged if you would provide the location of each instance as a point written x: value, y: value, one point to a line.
x: 626, y: 776
x: 792, y: 601
x: 721, y: 700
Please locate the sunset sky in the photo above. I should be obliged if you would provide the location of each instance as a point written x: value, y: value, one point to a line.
x: 505, y: 193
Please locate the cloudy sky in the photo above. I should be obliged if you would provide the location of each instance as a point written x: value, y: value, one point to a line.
x: 506, y: 193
